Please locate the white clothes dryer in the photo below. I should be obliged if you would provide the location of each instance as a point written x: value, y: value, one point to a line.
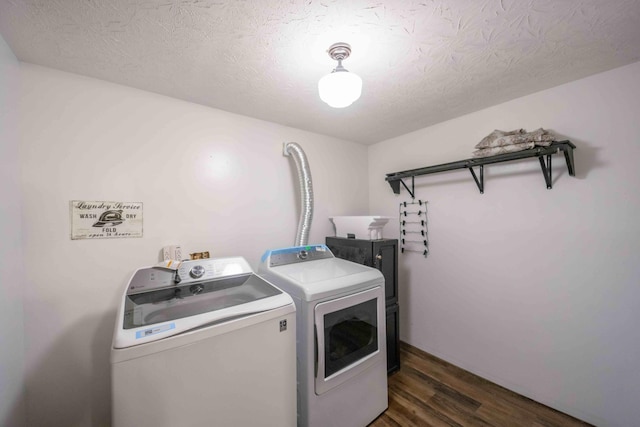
x: 210, y: 343
x: 341, y: 337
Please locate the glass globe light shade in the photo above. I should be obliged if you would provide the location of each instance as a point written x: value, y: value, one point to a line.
x: 340, y: 88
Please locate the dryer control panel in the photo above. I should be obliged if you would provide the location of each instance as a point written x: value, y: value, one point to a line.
x: 296, y: 254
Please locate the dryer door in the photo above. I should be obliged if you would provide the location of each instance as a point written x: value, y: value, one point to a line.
x: 350, y: 337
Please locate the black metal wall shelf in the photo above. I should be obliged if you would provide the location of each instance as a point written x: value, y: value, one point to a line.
x: 397, y: 178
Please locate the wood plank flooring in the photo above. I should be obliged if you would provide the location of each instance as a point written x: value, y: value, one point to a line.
x: 428, y: 391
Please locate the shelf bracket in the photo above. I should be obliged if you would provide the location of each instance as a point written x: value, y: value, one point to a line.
x: 546, y: 170
x: 411, y: 192
x: 395, y: 186
x: 479, y: 183
x: 568, y: 156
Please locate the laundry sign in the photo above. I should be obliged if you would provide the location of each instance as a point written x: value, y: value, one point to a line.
x: 105, y: 220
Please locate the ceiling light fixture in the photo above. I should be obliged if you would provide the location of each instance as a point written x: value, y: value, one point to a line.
x: 340, y: 88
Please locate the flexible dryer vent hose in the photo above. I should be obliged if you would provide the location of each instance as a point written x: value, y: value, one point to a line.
x: 306, y: 191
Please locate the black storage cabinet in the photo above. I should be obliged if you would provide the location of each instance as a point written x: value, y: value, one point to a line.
x: 383, y: 255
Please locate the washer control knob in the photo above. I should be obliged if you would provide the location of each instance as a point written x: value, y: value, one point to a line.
x: 303, y: 254
x: 197, y: 271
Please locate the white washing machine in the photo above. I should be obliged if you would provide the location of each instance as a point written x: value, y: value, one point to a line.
x: 210, y: 343
x: 341, y: 337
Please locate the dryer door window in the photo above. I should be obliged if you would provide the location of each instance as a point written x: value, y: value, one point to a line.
x: 350, y: 337
x: 350, y: 334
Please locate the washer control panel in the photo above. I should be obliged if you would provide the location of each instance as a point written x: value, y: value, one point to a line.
x: 197, y: 271
x: 157, y: 277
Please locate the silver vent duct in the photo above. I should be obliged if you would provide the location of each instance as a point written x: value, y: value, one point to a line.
x: 306, y: 191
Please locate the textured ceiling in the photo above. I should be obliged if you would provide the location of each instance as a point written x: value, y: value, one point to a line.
x: 421, y: 62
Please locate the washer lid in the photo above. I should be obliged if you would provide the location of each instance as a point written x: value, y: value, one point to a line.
x: 164, y: 305
x: 154, y: 307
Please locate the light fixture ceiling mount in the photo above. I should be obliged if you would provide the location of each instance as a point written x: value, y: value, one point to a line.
x: 339, y: 52
x: 340, y: 88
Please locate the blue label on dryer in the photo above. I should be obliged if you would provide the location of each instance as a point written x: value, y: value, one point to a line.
x: 155, y: 330
x: 294, y: 250
x: 296, y: 254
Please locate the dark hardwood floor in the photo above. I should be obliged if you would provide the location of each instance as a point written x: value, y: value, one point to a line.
x: 428, y: 391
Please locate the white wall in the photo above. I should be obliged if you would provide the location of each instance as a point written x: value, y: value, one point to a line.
x: 209, y: 180
x: 534, y: 289
x: 11, y: 278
